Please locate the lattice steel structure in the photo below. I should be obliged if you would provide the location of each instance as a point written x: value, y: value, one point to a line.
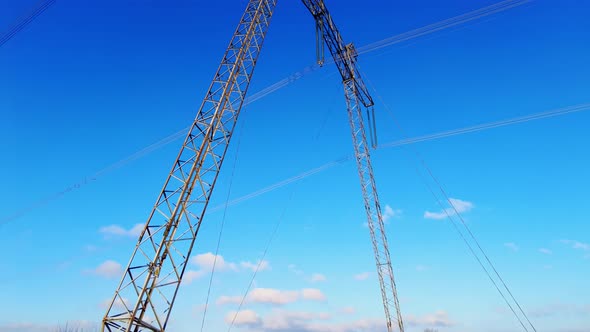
x: 146, y: 293
x: 357, y: 100
x: 373, y: 208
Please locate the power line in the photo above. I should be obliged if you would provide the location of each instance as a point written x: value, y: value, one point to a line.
x: 137, y: 155
x: 25, y: 20
x: 419, y: 32
x: 399, y: 143
x: 261, y: 260
x: 431, y: 28
x: 489, y: 125
x: 469, y: 246
x: 402, y: 142
x: 458, y: 214
x: 231, y: 181
x: 445, y: 24
x: 448, y: 199
x: 283, y: 183
x: 413, y: 140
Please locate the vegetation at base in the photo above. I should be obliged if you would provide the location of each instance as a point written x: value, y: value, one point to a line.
x: 76, y: 327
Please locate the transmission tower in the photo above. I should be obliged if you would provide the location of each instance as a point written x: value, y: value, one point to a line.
x: 145, y: 296
x: 357, y: 100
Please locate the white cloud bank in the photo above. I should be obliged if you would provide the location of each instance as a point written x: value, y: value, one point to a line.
x: 304, y: 321
x: 108, y: 269
x: 116, y: 230
x: 512, y: 246
x: 577, y: 245
x: 317, y: 277
x: 545, y: 251
x: 204, y: 263
x: 275, y: 296
x: 457, y: 206
x: 362, y: 276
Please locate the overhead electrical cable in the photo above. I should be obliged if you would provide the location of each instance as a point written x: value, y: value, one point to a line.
x: 488, y: 125
x: 448, y: 199
x: 397, y: 143
x: 445, y: 24
x: 431, y: 28
x: 231, y: 181
x: 458, y: 214
x: 396, y: 39
x: 469, y: 246
x: 403, y: 142
x: 25, y: 20
x: 261, y: 260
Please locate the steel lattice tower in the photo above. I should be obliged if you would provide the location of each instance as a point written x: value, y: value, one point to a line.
x: 146, y: 293
x: 372, y: 208
x: 145, y: 296
x: 357, y: 100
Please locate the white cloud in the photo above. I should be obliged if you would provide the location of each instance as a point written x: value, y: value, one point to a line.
x: 317, y: 277
x: 282, y: 320
x: 224, y: 299
x: 274, y: 296
x: 561, y: 309
x: 389, y: 213
x: 458, y: 206
x: 199, y: 309
x: 113, y: 230
x: 437, y: 319
x: 313, y: 294
x: 512, y: 246
x: 90, y: 248
x: 313, y: 278
x: 264, y: 265
x: 191, y: 275
x: 577, y: 244
x: 116, y: 230
x: 294, y: 269
x: 242, y: 318
x: 348, y: 310
x: 278, y: 320
x: 119, y: 304
x: 107, y: 269
x: 205, y: 262
x: 362, y: 276
x: 302, y: 321
x: 545, y: 251
x: 422, y: 268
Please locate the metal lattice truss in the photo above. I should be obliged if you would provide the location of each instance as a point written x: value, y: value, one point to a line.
x: 372, y: 207
x: 357, y: 100
x: 145, y: 296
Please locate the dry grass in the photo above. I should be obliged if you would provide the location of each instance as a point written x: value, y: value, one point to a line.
x: 77, y: 327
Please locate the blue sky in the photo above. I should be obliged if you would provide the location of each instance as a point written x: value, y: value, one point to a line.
x: 88, y: 84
